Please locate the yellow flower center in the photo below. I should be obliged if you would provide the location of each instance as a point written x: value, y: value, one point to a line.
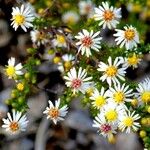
x: 129, y: 34
x: 53, y: 113
x: 99, y: 101
x: 89, y: 91
x: 40, y: 35
x: 19, y: 19
x: 57, y: 59
x: 128, y: 121
x: 134, y: 102
x: 10, y: 71
x: 111, y: 71
x: 111, y: 115
x: 133, y: 60
x: 119, y: 97
x: 14, y: 126
x: 68, y: 65
x: 70, y: 20
x: 145, y: 96
x: 108, y: 15
x: 61, y: 39
x: 20, y: 86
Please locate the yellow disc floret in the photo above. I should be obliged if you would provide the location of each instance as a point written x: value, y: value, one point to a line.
x: 19, y: 19
x: 60, y: 39
x: 119, y: 97
x: 133, y: 60
x: 10, y: 71
x: 111, y: 71
x: 145, y: 96
x: 128, y: 121
x: 111, y: 115
x: 129, y: 34
x: 20, y: 86
x: 99, y: 101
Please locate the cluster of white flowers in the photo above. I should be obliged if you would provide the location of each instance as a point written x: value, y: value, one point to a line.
x: 110, y: 101
x: 108, y: 17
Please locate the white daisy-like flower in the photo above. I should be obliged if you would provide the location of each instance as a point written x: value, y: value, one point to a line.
x: 22, y: 17
x: 86, y: 8
x: 38, y: 37
x: 67, y: 62
x: 104, y: 128
x: 99, y: 98
x: 59, y: 41
x: 88, y: 41
x: 128, y: 122
x: 11, y: 70
x: 55, y: 113
x: 70, y: 17
x: 143, y: 90
x: 128, y: 37
x: 132, y: 61
x: 112, y: 111
x: 120, y: 93
x: 107, y: 15
x: 112, y: 71
x: 15, y: 123
x: 77, y: 80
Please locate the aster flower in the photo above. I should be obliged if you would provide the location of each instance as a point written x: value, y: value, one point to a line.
x: 38, y: 37
x: 99, y: 98
x: 112, y: 71
x: 70, y: 17
x: 104, y: 128
x: 22, y: 17
x: 88, y: 41
x: 107, y: 15
x: 68, y: 60
x: 112, y: 111
x: 132, y: 61
x: 11, y: 70
x: 15, y: 123
x: 128, y: 37
x: 128, y: 121
x: 86, y: 8
x: 55, y: 113
x: 77, y: 80
x: 143, y: 91
x: 120, y: 93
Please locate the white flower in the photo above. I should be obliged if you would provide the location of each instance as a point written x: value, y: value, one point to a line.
x: 99, y: 98
x: 127, y: 122
x: 59, y: 41
x: 78, y: 81
x: 86, y: 8
x: 132, y: 61
x: 119, y: 94
x: 12, y: 70
x: 70, y: 17
x: 16, y: 123
x: 112, y: 71
x: 38, y: 37
x: 128, y: 37
x: 22, y: 17
x: 55, y: 113
x: 112, y: 111
x: 88, y: 41
x: 108, y: 15
x: 143, y: 90
x: 68, y: 60
x: 104, y: 128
